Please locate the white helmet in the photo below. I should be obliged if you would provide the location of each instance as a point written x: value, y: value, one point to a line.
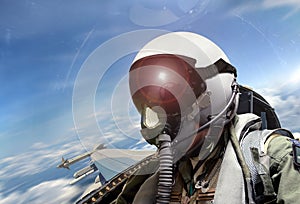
x: 183, y: 75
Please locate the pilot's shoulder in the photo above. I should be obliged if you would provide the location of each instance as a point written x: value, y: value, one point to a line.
x: 278, y: 147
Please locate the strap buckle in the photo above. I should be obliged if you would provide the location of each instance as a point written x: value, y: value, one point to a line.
x: 296, y: 152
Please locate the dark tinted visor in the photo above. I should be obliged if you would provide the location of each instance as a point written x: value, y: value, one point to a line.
x: 165, y: 80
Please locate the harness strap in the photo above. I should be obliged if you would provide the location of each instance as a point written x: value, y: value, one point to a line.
x: 263, y: 187
x: 254, y: 145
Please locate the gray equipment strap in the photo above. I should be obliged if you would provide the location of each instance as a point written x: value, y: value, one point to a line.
x: 252, y: 145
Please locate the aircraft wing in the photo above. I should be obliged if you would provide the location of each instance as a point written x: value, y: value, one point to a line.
x: 113, y: 161
x: 113, y: 165
x: 94, y: 194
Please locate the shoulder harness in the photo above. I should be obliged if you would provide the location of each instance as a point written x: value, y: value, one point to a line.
x: 252, y: 140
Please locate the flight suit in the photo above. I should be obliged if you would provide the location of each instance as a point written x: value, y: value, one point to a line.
x: 285, y: 176
x: 228, y: 182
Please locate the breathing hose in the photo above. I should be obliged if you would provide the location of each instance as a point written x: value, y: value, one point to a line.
x: 165, y: 178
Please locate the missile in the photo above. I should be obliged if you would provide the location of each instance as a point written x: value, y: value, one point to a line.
x: 82, y: 173
x: 84, y: 170
x: 65, y: 163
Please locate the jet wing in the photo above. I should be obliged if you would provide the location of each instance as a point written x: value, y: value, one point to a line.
x: 113, y: 161
x: 95, y: 192
x: 113, y: 166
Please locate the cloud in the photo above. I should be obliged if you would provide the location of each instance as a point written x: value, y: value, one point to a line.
x: 39, y: 145
x: 42, y: 157
x: 280, y: 3
x: 285, y: 99
x: 114, y: 122
x: 30, y: 170
x: 296, y: 134
x: 293, y: 4
x: 54, y: 191
x: 252, y: 6
x: 38, y: 159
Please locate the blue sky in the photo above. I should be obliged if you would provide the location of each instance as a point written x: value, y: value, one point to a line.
x: 45, y: 45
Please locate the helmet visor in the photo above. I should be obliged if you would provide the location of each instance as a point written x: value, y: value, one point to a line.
x: 165, y: 80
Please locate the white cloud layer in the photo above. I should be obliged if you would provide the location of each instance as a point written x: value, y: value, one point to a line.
x: 42, y: 157
x: 39, y: 159
x: 55, y: 191
x: 284, y: 97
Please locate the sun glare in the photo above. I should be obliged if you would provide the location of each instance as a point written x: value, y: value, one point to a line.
x: 162, y: 76
x: 295, y: 77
